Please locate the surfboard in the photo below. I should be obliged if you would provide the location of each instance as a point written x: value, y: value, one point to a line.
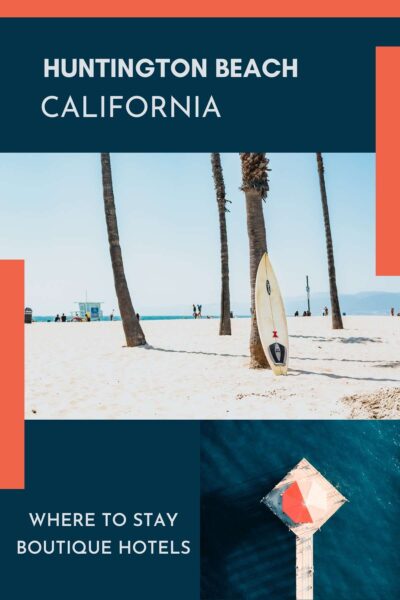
x: 271, y: 317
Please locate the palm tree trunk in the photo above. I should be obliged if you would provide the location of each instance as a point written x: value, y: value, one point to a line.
x: 336, y: 314
x: 225, y: 319
x: 133, y: 331
x: 257, y: 247
x: 255, y: 186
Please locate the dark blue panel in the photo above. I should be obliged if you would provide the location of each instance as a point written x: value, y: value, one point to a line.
x: 100, y: 466
x: 330, y: 106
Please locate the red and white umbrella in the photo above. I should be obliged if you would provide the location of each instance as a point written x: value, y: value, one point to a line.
x: 305, y: 501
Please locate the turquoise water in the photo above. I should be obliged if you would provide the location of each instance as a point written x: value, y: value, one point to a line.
x: 44, y: 319
x: 248, y: 554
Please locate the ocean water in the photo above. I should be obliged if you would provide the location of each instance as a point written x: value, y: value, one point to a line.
x: 50, y: 318
x: 46, y: 318
x: 248, y: 554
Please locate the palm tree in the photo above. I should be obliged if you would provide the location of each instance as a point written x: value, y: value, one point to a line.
x: 133, y: 331
x: 225, y: 320
x: 255, y: 186
x: 336, y: 314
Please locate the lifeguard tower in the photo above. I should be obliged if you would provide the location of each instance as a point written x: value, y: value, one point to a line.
x: 93, y: 309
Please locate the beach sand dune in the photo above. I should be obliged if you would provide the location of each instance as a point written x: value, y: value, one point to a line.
x: 83, y: 371
x: 383, y: 404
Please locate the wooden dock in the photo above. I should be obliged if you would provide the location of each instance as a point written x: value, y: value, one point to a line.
x: 304, y: 568
x: 327, y: 500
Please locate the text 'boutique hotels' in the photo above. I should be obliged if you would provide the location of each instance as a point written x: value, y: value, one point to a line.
x: 304, y: 500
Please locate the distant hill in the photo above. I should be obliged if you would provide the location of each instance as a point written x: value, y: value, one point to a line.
x: 363, y: 303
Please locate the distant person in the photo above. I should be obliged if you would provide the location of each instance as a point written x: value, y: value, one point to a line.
x: 392, y: 312
x: 194, y: 310
x: 112, y: 316
x: 326, y: 311
x: 231, y: 314
x: 88, y: 317
x: 57, y: 319
x: 296, y: 314
x: 63, y: 318
x: 199, y: 310
x: 138, y: 316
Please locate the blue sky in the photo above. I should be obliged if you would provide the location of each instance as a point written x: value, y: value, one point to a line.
x: 52, y: 216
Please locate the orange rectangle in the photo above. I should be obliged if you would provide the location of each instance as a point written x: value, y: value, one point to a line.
x: 387, y: 161
x: 206, y: 8
x: 12, y: 374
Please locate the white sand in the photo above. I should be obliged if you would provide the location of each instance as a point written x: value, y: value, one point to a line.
x: 384, y: 404
x: 82, y: 370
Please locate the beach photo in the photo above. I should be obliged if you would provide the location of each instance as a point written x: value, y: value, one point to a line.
x: 299, y: 509
x: 202, y: 286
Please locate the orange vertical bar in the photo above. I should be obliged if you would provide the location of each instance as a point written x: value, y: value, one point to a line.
x: 11, y: 374
x: 387, y: 161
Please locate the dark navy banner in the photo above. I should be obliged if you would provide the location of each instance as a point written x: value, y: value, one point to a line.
x: 82, y: 479
x: 330, y: 105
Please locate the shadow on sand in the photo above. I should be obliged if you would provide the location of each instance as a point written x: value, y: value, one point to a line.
x: 335, y: 376
x: 343, y: 340
x: 374, y: 363
x: 197, y: 352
